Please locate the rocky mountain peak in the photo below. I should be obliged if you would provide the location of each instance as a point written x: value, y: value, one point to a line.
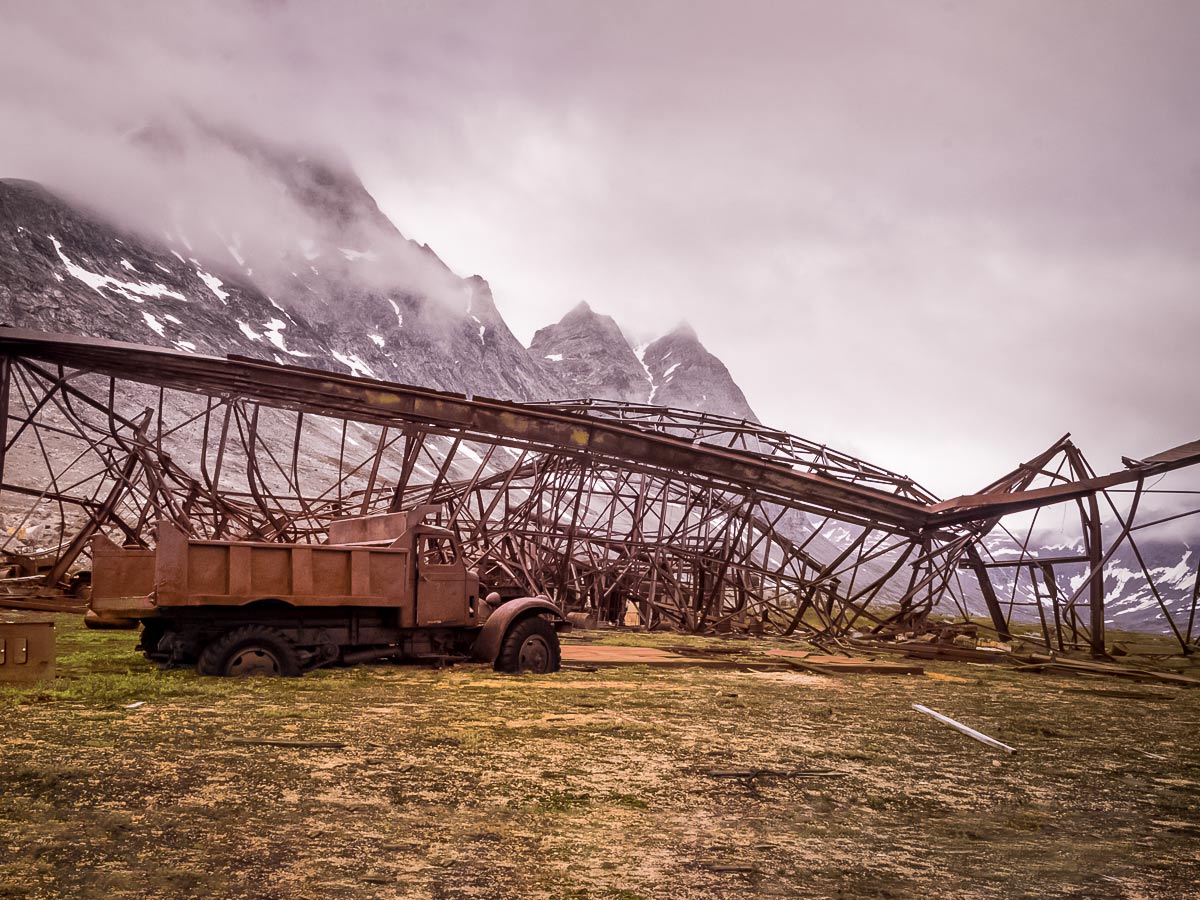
x: 683, y: 331
x: 591, y: 353
x: 480, y: 302
x: 685, y: 374
x: 581, y: 311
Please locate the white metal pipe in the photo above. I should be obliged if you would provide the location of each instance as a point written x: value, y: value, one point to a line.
x: 969, y: 732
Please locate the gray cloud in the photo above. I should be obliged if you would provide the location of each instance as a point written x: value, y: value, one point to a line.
x: 937, y: 234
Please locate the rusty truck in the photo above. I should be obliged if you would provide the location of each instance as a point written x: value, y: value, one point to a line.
x: 383, y: 586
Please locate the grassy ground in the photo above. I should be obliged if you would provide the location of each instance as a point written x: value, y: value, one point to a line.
x: 462, y: 783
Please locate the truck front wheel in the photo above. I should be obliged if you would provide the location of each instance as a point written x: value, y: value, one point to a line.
x: 250, y: 650
x: 531, y: 645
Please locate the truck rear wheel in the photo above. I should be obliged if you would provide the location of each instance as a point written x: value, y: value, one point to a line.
x: 152, y: 633
x: 531, y: 645
x: 250, y: 650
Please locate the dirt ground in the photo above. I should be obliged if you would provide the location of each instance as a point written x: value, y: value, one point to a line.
x: 461, y: 783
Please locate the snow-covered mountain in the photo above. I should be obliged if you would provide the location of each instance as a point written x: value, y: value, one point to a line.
x: 1129, y: 601
x: 64, y: 269
x: 327, y: 281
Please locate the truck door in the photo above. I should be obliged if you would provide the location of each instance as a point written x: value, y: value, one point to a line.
x: 441, y: 581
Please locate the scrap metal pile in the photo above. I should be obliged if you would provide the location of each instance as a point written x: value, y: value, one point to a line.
x: 666, y: 517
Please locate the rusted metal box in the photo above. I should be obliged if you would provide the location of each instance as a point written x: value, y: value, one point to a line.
x: 26, y: 651
x: 234, y: 573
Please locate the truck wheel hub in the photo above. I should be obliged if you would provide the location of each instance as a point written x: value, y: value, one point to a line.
x: 253, y: 661
x: 534, y: 655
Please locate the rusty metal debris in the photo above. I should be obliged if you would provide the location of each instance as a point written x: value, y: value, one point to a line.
x: 626, y: 513
x: 27, y: 651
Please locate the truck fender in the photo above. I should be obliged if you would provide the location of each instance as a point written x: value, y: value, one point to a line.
x: 491, y: 636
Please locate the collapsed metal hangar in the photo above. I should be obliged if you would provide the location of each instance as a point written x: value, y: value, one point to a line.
x: 694, y: 521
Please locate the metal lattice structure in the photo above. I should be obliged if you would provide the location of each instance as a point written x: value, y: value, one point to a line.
x: 694, y: 521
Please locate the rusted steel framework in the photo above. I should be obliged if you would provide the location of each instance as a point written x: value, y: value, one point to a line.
x: 691, y: 521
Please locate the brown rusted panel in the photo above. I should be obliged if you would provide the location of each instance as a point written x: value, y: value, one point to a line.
x: 302, y: 571
x: 120, y: 577
x: 233, y: 573
x: 360, y: 573
x: 391, y: 576
x: 171, y: 566
x: 331, y: 572
x: 366, y: 529
x: 441, y: 599
x: 271, y: 572
x: 26, y: 651
x: 239, y: 568
x: 207, y: 568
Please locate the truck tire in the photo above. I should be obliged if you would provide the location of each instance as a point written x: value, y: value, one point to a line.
x: 250, y: 650
x: 152, y: 633
x: 531, y: 645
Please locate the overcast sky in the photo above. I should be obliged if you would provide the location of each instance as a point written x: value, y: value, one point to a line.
x: 938, y: 235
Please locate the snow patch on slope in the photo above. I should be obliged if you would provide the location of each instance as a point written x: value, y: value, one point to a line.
x: 640, y: 352
x: 354, y: 363
x: 272, y: 331
x: 134, y: 290
x: 154, y: 325
x: 215, y: 285
x: 396, y: 310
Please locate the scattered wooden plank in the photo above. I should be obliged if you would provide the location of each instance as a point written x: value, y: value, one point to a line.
x: 706, y: 651
x: 45, y: 604
x: 955, y: 654
x: 603, y: 656
x: 928, y: 650
x: 968, y: 731
x: 850, y: 666
x: 1040, y: 663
